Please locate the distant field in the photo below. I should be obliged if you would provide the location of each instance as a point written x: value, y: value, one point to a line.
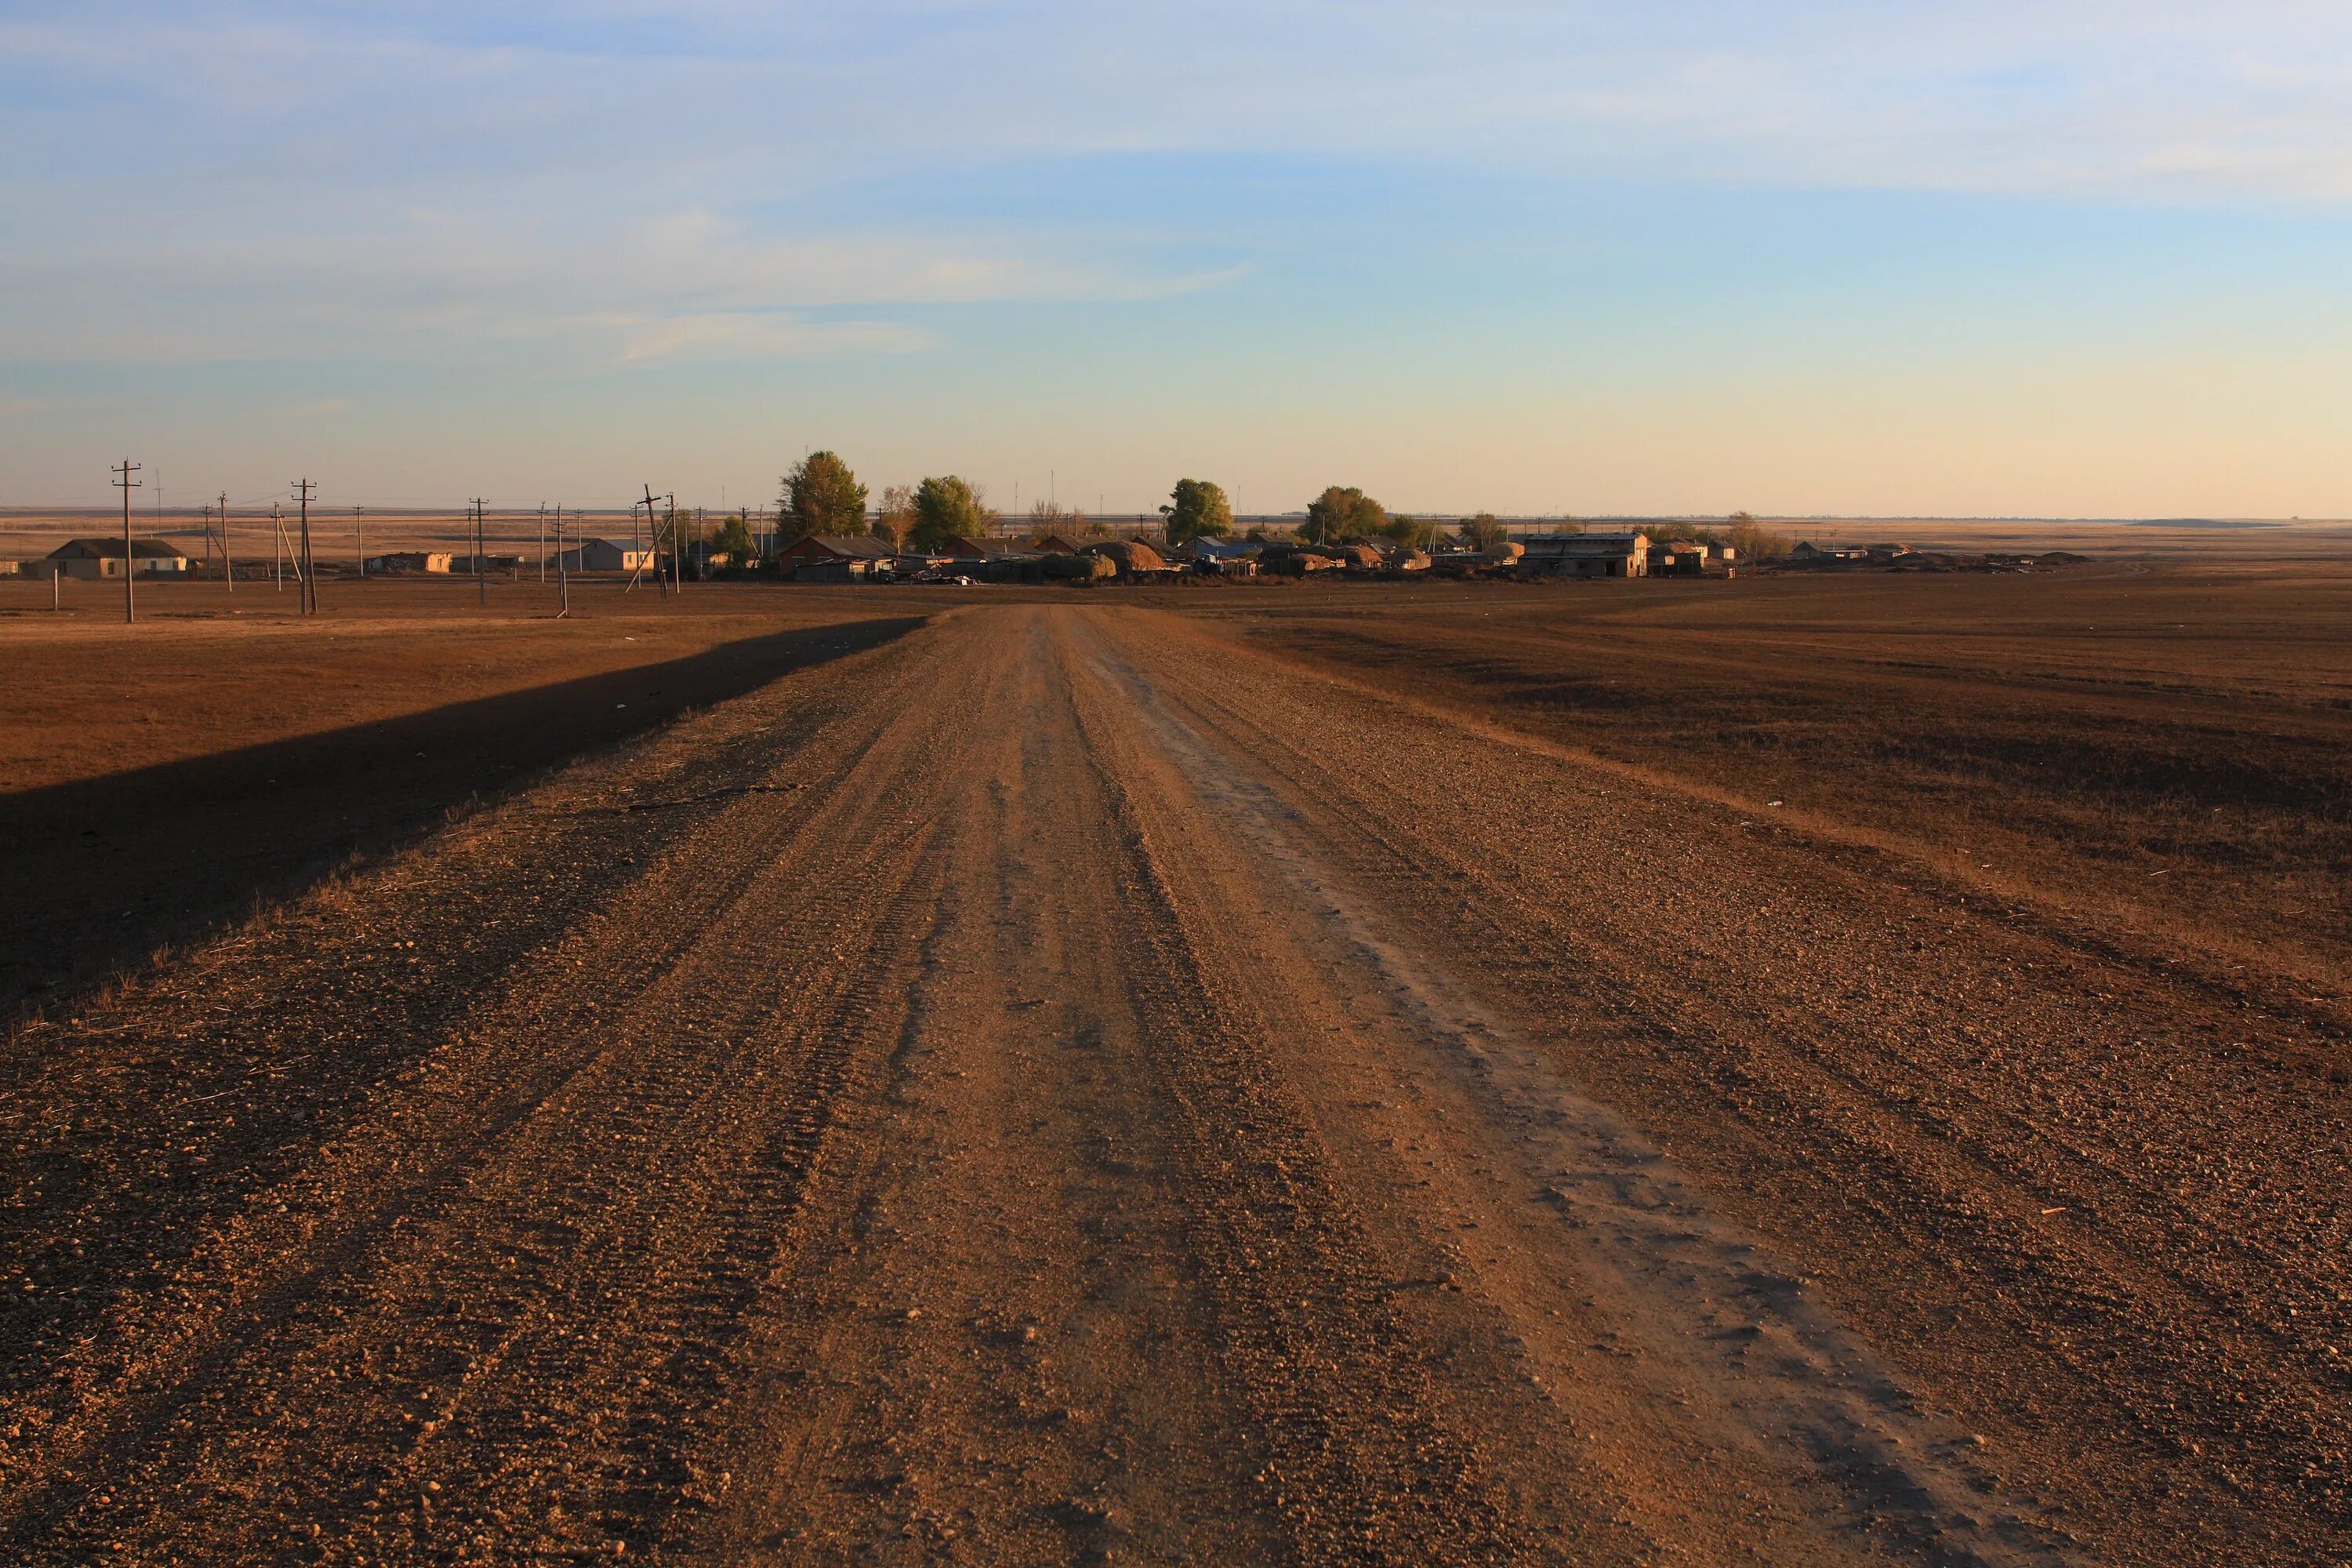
x: 158, y: 777
x: 26, y: 533
x: 2156, y: 746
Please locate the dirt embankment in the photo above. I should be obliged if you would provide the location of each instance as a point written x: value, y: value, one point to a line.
x: 1063, y: 1088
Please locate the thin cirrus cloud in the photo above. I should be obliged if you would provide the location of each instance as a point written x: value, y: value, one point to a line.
x: 1492, y: 199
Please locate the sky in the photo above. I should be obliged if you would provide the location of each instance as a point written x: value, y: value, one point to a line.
x: 2067, y: 257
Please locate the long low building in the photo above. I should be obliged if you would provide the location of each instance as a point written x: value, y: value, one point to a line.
x: 394, y: 562
x: 1587, y: 554
x: 834, y: 558
x: 91, y: 559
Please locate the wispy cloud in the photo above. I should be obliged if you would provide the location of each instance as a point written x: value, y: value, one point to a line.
x: 751, y: 336
x: 456, y: 198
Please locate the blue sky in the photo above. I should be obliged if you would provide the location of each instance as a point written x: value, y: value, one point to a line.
x: 1996, y: 259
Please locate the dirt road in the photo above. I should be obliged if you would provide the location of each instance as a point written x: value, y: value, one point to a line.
x: 1059, y: 1087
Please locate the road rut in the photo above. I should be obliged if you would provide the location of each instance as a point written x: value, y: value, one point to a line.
x: 1061, y: 1088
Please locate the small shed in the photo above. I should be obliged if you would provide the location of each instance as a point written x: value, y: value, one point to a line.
x: 1679, y: 558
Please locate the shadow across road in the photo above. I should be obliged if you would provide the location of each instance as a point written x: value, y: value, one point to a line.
x: 97, y: 875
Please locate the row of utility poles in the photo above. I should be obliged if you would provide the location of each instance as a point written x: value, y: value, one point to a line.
x: 661, y: 535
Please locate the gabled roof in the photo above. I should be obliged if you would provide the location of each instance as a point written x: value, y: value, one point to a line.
x: 861, y: 545
x: 111, y: 550
x: 1585, y: 544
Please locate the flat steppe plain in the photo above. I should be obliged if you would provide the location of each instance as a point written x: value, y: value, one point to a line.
x: 1356, y: 1074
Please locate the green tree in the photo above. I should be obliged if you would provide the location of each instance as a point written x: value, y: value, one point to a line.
x: 1484, y: 530
x: 946, y: 508
x: 821, y: 496
x: 735, y: 541
x: 1198, y: 507
x: 1342, y: 513
x: 1419, y: 532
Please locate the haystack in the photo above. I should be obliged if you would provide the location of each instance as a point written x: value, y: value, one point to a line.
x: 1074, y: 568
x: 1128, y: 556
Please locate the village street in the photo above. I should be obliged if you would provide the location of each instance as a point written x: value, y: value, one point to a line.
x: 1061, y: 1086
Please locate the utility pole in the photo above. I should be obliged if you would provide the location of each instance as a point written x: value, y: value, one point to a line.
x: 126, y: 484
x: 677, y: 565
x: 277, y: 546
x: 359, y: 542
x: 563, y: 565
x: 482, y: 578
x: 636, y: 550
x: 542, y: 541
x: 652, y: 534
x: 228, y: 562
x: 310, y: 571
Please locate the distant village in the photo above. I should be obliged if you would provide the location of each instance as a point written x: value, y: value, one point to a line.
x: 941, y: 532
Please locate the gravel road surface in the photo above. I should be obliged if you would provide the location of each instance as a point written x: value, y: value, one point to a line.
x: 1062, y: 1088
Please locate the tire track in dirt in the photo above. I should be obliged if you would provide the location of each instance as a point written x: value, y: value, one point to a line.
x: 420, y: 1305
x: 1029, y: 1094
x: 1780, y: 1400
x: 1942, y: 1110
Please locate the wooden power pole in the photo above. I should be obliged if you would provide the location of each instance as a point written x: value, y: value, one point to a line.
x: 481, y: 567
x: 228, y: 561
x: 126, y: 484
x: 307, y: 571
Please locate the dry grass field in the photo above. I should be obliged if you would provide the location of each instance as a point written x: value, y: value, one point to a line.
x: 1815, y: 1070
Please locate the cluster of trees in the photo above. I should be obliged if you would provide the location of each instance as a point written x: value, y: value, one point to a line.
x: 1743, y: 532
x: 821, y: 495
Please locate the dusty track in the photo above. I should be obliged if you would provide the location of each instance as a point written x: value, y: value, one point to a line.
x: 1062, y: 1089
